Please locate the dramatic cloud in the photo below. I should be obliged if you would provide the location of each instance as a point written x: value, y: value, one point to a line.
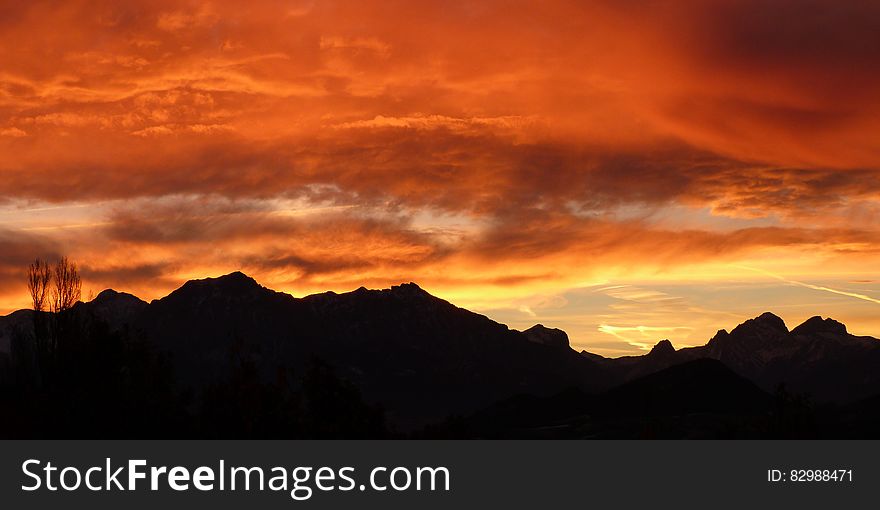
x: 494, y: 152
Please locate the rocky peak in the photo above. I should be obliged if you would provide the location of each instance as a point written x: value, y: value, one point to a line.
x: 818, y: 325
x: 110, y: 297
x: 235, y: 283
x: 408, y: 290
x: 236, y: 278
x: 541, y: 334
x: 663, y: 348
x: 765, y: 327
x: 232, y: 288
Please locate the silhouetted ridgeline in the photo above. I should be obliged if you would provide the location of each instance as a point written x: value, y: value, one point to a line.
x: 226, y: 357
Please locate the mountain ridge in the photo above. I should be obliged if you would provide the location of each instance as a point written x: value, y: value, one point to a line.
x: 237, y: 280
x: 423, y: 358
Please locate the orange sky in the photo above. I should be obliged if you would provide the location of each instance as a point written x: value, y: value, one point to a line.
x: 609, y: 167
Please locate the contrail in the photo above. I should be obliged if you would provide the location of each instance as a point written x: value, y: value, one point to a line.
x: 814, y: 287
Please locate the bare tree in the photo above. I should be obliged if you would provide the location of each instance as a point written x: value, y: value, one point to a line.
x: 39, y: 276
x: 68, y: 285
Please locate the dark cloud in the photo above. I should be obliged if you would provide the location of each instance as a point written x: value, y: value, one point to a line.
x: 326, y: 144
x: 125, y: 276
x: 17, y: 250
x: 795, y: 35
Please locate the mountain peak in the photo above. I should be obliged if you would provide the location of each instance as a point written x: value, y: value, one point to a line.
x: 541, y: 334
x: 108, y: 296
x: 751, y: 336
x: 410, y: 286
x: 105, y: 295
x: 409, y: 289
x: 817, y: 324
x: 765, y: 325
x: 235, y: 278
x: 235, y: 283
x: 663, y: 347
x: 116, y: 308
x: 771, y: 318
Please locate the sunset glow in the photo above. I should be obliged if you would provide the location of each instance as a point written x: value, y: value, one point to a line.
x: 625, y: 174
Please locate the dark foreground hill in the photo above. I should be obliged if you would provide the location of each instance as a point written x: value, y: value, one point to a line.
x: 226, y: 357
x: 696, y: 399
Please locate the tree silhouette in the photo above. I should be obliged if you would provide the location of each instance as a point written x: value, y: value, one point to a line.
x: 76, y: 376
x: 39, y: 276
x: 59, y: 287
x: 68, y: 285
x: 66, y: 291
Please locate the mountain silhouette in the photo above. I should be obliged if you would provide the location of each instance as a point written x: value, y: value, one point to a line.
x: 819, y: 358
x: 424, y: 361
x: 419, y: 356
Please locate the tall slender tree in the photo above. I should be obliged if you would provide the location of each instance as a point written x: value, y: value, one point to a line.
x: 39, y: 279
x: 66, y: 291
x: 39, y: 276
x: 68, y: 286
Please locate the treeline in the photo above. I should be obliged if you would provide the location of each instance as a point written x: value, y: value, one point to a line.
x: 70, y: 375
